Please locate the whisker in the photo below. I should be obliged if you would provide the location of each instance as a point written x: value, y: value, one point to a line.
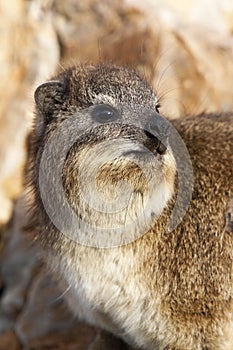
x: 160, y: 79
x: 62, y: 295
x: 162, y: 95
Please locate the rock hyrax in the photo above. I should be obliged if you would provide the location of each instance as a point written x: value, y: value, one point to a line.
x: 123, y: 270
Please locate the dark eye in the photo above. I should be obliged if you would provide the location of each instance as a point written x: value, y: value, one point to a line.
x: 104, y: 113
x: 157, y: 107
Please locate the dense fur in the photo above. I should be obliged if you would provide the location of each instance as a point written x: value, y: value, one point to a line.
x: 164, y: 291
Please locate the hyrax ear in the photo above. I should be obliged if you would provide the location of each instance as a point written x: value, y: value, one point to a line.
x: 49, y: 98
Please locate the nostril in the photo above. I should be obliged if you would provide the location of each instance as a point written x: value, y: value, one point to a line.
x: 151, y: 135
x: 155, y: 132
x: 155, y: 143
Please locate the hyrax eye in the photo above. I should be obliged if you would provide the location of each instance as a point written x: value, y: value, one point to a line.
x: 104, y: 113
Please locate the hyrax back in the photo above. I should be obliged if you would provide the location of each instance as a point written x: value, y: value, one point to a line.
x: 162, y: 290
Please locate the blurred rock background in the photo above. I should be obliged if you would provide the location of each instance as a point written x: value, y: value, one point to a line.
x: 184, y: 48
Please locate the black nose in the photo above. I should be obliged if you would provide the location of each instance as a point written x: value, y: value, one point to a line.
x: 157, y: 130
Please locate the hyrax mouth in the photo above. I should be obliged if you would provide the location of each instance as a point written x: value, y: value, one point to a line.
x: 150, y: 146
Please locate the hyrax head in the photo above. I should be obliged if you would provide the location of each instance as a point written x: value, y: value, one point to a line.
x: 103, y: 153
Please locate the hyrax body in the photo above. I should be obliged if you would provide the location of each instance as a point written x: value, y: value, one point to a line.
x: 157, y: 290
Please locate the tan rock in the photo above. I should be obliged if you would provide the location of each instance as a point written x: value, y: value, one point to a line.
x: 79, y: 338
x: 29, y: 53
x: 190, y: 66
x: 9, y: 341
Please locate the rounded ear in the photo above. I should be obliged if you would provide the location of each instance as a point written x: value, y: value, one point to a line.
x: 49, y: 97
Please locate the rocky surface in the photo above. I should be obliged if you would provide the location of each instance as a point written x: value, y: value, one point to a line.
x: 33, y: 314
x: 183, y: 48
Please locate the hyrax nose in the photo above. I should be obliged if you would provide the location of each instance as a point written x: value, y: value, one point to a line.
x: 157, y: 130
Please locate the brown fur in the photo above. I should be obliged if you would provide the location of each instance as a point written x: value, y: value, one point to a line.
x: 164, y: 291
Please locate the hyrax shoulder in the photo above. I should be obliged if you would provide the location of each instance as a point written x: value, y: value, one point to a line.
x: 106, y: 179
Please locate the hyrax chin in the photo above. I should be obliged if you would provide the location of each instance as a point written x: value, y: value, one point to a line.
x: 106, y: 178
